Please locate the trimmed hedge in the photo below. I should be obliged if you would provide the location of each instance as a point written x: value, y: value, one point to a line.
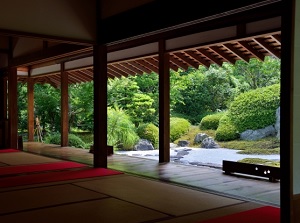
x: 178, y: 127
x: 226, y: 130
x: 255, y: 109
x: 150, y: 132
x: 211, y: 121
x: 74, y: 141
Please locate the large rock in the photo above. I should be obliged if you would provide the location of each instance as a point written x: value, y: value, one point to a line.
x: 259, y: 133
x: 183, y: 143
x: 143, y: 144
x: 200, y: 137
x: 209, y: 143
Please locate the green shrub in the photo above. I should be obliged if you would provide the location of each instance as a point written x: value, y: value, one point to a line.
x: 150, y: 132
x: 178, y: 127
x: 121, y: 132
x: 53, y: 138
x: 255, y: 109
x: 211, y: 121
x: 74, y: 141
x: 226, y: 130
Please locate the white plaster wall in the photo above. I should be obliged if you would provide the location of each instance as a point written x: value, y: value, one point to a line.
x: 75, y: 19
x: 296, y: 130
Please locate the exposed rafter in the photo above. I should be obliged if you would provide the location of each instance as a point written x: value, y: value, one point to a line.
x: 229, y: 51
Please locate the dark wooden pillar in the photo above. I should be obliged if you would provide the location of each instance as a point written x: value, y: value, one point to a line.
x: 100, y: 106
x: 3, y: 98
x: 64, y: 106
x: 30, y: 108
x: 13, y: 108
x: 286, y: 113
x: 164, y: 104
x: 3, y: 111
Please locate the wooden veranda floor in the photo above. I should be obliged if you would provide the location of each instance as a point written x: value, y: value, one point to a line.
x: 205, y: 179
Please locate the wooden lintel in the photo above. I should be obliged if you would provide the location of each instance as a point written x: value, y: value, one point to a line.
x: 48, y: 54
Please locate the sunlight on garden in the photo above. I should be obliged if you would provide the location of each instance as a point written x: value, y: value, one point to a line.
x: 228, y: 112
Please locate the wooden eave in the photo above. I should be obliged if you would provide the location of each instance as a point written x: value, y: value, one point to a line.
x: 229, y: 51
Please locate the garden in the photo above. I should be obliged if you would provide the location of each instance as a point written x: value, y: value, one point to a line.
x: 221, y: 102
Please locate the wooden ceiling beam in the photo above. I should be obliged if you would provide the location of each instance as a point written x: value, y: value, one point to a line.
x: 153, y: 62
x: 277, y: 38
x: 222, y: 54
x: 121, y: 72
x: 209, y: 56
x: 174, y: 66
x: 120, y: 67
x: 236, y: 52
x: 77, y: 76
x: 82, y: 76
x: 140, y: 67
x: 132, y: 68
x: 88, y: 73
x: 147, y: 65
x: 187, y: 59
x: 56, y: 78
x: 73, y: 79
x: 197, y: 57
x: 53, y: 84
x: 267, y: 47
x: 113, y: 72
x: 179, y: 63
x: 253, y: 51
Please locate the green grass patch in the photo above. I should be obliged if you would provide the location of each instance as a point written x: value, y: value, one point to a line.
x: 269, y: 145
x: 266, y: 146
x: 260, y: 161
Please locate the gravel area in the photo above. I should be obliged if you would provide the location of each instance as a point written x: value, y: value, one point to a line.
x: 199, y: 156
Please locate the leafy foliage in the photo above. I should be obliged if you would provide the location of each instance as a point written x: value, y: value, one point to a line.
x: 255, y: 109
x: 47, y: 106
x: 120, y: 92
x: 121, y: 131
x: 178, y: 127
x: 226, y: 130
x: 150, y: 132
x: 196, y: 94
x: 81, y: 107
x: 211, y: 121
x: 257, y: 74
x: 22, y: 106
x: 141, y: 109
x: 74, y: 140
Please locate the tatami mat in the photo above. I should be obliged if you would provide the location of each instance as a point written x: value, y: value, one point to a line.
x: 21, y: 158
x: 44, y: 196
x: 214, y: 213
x: 3, y: 164
x: 105, y: 210
x: 167, y: 198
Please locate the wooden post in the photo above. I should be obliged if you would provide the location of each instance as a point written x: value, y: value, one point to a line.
x: 64, y: 107
x: 2, y: 98
x: 100, y: 106
x: 30, y: 108
x: 13, y: 108
x: 286, y: 112
x: 3, y: 107
x: 164, y: 104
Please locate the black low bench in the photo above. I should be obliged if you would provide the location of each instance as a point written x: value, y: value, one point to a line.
x: 273, y: 173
